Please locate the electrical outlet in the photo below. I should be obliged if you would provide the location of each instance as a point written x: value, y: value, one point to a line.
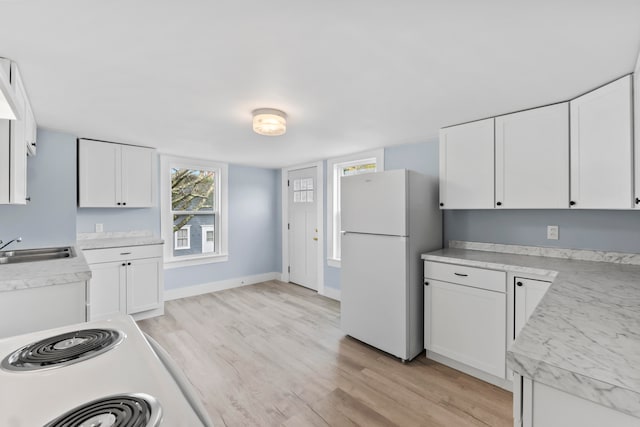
x: 552, y: 232
x: 99, y: 228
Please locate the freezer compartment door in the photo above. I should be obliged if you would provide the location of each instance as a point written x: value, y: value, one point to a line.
x: 374, y: 291
x: 375, y: 203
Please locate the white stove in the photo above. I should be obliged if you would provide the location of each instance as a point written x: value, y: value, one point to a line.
x: 103, y: 373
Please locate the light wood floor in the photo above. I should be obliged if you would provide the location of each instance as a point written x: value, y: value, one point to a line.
x: 273, y: 354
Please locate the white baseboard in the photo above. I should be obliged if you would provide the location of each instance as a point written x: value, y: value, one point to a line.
x: 491, y: 379
x: 205, y: 288
x: 331, y: 293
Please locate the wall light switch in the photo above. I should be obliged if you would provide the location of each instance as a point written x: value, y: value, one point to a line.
x: 99, y: 228
x: 552, y: 232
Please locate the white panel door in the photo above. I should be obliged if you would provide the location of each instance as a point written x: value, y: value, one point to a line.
x: 137, y: 176
x: 374, y: 291
x: 467, y: 325
x: 99, y: 174
x: 532, y: 158
x: 107, y: 290
x: 303, y: 227
x: 601, y: 148
x: 375, y: 203
x: 528, y: 294
x: 143, y: 285
x: 467, y: 166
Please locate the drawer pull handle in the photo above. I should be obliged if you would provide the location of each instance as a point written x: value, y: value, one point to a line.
x: 461, y: 274
x: 519, y: 283
x: 125, y: 253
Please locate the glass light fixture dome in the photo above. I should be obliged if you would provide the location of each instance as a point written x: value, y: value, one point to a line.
x: 270, y: 122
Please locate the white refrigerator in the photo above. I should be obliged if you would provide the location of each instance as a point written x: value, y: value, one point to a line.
x: 388, y: 220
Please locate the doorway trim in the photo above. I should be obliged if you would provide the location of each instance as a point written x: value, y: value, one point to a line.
x: 320, y: 215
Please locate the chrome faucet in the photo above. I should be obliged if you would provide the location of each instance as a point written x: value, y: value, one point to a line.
x: 17, y: 240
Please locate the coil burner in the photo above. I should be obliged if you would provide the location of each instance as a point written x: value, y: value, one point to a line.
x: 62, y: 350
x: 124, y: 410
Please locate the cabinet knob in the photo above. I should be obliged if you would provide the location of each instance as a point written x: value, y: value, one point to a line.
x: 441, y: 204
x: 637, y: 200
x: 33, y: 143
x: 426, y: 283
x: 124, y: 203
x: 118, y: 203
x: 124, y: 263
x: 128, y: 263
x: 519, y: 283
x: 499, y: 203
x: 572, y: 203
x: 28, y: 199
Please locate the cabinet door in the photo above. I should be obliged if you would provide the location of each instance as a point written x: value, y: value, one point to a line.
x: 467, y: 166
x: 107, y: 290
x: 601, y: 148
x: 99, y: 174
x: 143, y: 285
x: 18, y: 151
x: 636, y: 127
x: 137, y: 176
x: 532, y: 158
x: 467, y: 325
x: 528, y: 294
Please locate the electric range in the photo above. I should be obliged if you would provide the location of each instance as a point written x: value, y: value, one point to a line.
x: 102, y: 373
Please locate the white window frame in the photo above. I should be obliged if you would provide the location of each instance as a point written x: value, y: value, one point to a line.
x: 221, y: 213
x: 333, y: 196
x: 175, y: 238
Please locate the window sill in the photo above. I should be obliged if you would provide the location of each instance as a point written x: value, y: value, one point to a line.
x: 187, y: 262
x: 333, y: 262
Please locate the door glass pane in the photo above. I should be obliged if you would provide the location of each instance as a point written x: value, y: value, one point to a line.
x: 358, y: 169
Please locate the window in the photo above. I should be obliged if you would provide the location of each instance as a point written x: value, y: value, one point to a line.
x: 194, y: 222
x: 337, y: 168
x: 182, y: 238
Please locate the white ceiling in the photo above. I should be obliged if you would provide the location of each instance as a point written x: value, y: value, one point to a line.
x: 184, y: 75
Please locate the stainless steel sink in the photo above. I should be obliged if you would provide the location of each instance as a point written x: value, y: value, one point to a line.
x: 32, y: 255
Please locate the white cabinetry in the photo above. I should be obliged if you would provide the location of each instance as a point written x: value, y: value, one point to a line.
x: 636, y: 127
x: 465, y: 318
x: 532, y: 158
x: 601, y: 148
x: 45, y: 307
x: 544, y: 406
x: 15, y: 138
x: 115, y: 175
x: 528, y: 294
x: 467, y: 166
x: 125, y: 280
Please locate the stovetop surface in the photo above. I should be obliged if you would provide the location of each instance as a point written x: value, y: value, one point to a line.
x: 129, y: 367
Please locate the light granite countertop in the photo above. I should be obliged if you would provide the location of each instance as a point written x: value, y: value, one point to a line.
x: 88, y: 241
x: 44, y: 273
x: 584, y: 336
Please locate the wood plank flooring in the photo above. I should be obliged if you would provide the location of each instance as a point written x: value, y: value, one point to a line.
x: 273, y: 354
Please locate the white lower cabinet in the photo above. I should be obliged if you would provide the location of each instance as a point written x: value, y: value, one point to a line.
x: 125, y: 280
x: 544, y: 406
x: 35, y: 309
x: 466, y: 322
x: 528, y: 294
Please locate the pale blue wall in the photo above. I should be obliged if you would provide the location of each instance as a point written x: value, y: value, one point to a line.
x: 255, y: 245
x: 588, y: 229
x: 49, y: 219
x: 420, y: 157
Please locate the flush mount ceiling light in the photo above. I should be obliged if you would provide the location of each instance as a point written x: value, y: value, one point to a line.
x: 270, y: 122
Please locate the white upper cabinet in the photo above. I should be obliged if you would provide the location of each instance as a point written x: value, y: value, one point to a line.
x: 467, y: 166
x: 601, y: 148
x: 115, y: 175
x: 15, y: 135
x: 532, y: 158
x: 636, y: 127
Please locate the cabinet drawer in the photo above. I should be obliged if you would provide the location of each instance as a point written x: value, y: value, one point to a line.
x: 470, y: 276
x: 94, y: 256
